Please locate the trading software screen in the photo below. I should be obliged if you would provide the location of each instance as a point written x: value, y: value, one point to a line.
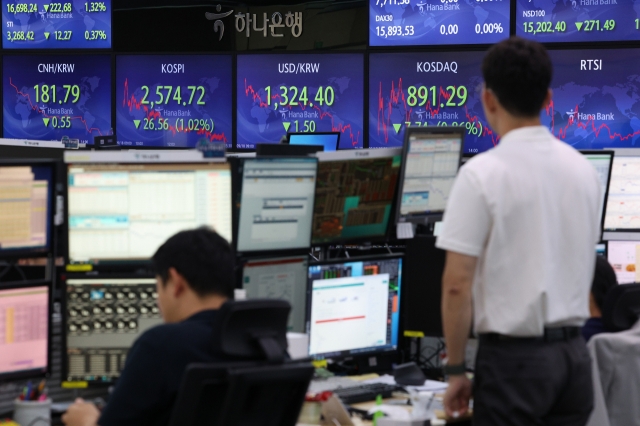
x: 602, y: 164
x: 623, y: 204
x: 25, y: 200
x: 24, y: 329
x: 623, y: 257
x: 279, y: 278
x: 328, y: 141
x: 104, y: 317
x: 431, y: 167
x: 354, y: 307
x: 276, y: 204
x: 354, y: 198
x: 123, y: 212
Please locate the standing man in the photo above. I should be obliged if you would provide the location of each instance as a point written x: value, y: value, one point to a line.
x: 519, y: 230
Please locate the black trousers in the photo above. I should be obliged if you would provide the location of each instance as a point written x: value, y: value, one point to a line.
x: 522, y: 383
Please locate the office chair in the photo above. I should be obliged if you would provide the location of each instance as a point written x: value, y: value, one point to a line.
x: 255, y: 385
x: 621, y: 307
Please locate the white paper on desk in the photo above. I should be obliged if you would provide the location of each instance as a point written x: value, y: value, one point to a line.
x: 429, y: 385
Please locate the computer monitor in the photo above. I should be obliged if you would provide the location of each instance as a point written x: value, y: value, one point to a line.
x: 329, y: 140
x: 602, y: 162
x: 624, y: 257
x: 26, y: 207
x: 103, y: 317
x: 279, y: 278
x: 276, y: 204
x: 431, y: 158
x: 622, y: 214
x: 354, y: 306
x: 355, y: 195
x: 25, y: 330
x: 123, y: 211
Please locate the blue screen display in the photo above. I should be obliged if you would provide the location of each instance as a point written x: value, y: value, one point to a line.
x: 596, y: 96
x: 549, y: 21
x: 277, y: 94
x: 437, y: 22
x: 48, y: 97
x: 329, y: 142
x: 173, y: 100
x: 402, y: 92
x: 66, y: 25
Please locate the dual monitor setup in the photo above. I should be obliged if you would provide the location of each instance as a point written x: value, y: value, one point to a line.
x: 121, y: 206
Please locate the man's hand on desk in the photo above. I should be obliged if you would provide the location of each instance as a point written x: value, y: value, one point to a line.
x: 81, y: 413
x: 456, y: 399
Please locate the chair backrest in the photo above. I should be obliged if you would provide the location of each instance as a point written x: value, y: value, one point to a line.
x: 233, y: 395
x: 621, y: 307
x: 254, y: 387
x: 252, y: 330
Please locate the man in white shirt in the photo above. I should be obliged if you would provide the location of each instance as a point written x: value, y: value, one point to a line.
x: 519, y: 230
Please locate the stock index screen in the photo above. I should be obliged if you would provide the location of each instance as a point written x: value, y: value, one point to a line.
x: 426, y: 89
x: 173, y: 101
x: 595, y: 98
x: 284, y: 93
x: 66, y: 25
x: 549, y: 21
x: 48, y: 97
x: 437, y: 22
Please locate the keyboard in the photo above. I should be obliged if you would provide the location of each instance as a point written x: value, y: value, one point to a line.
x: 366, y: 392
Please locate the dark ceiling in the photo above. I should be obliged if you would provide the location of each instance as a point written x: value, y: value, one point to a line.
x: 144, y: 4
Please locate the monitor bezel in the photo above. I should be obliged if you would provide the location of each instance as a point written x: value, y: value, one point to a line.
x: 123, y: 158
x: 42, y: 251
x: 436, y: 216
x: 354, y: 155
x: 619, y: 234
x: 237, y: 174
x: 349, y: 354
x: 34, y: 372
x: 64, y: 323
x: 337, y: 148
x: 611, y: 155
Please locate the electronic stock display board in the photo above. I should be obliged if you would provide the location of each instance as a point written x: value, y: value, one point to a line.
x: 437, y: 22
x: 77, y: 24
x: 427, y: 89
x: 549, y: 21
x: 284, y: 93
x: 46, y: 97
x: 173, y: 100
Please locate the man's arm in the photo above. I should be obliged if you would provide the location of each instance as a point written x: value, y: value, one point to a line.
x: 457, y: 309
x: 81, y: 413
x: 456, y: 304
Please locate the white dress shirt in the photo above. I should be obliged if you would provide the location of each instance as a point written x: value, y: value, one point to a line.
x: 528, y: 209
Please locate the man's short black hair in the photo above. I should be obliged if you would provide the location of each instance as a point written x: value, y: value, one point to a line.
x: 518, y: 72
x: 202, y: 257
x: 604, y: 280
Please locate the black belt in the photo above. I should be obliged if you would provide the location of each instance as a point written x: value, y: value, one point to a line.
x: 559, y: 334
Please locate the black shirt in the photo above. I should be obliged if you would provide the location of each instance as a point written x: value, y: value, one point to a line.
x: 146, y: 391
x: 592, y: 327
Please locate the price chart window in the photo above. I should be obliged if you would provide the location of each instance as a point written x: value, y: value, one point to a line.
x: 173, y: 100
x: 277, y: 94
x: 427, y: 89
x: 24, y: 329
x: 595, y: 94
x: 623, y: 204
x: 125, y: 212
x: 48, y: 97
x: 549, y: 21
x: 437, y: 22
x: 52, y: 25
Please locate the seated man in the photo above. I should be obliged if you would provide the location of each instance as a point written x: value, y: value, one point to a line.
x: 603, y: 280
x: 194, y: 278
